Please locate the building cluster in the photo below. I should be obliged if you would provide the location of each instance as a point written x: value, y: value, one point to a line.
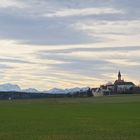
x: 120, y: 86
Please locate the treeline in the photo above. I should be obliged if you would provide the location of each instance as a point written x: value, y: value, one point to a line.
x: 135, y: 90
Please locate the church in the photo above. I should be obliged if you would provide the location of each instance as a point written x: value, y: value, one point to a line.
x: 119, y: 86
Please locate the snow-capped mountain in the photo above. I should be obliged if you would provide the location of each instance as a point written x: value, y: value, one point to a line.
x: 30, y: 90
x: 13, y: 87
x: 9, y: 87
x: 66, y: 91
x: 73, y: 90
x: 56, y: 91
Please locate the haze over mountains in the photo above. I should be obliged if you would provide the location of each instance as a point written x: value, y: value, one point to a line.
x: 8, y: 87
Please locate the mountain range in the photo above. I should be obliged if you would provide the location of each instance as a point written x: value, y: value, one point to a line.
x: 15, y: 88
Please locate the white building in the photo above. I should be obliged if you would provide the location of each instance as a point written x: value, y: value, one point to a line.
x: 97, y: 92
x: 121, y: 86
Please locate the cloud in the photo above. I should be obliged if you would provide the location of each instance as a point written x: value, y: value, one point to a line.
x: 83, y: 12
x: 111, y: 27
x: 4, y: 67
x: 91, y: 49
x: 28, y: 26
x: 93, y: 62
x: 76, y: 43
x: 47, y: 32
x: 125, y: 62
x: 11, y: 3
x: 11, y: 60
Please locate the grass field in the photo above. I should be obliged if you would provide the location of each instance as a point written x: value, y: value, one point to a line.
x: 101, y: 118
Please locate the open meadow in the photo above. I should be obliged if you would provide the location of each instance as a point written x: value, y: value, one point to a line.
x: 100, y: 118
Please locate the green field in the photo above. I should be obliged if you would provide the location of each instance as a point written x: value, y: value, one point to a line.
x: 100, y: 118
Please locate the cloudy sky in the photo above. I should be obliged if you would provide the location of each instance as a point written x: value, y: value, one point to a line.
x: 69, y: 43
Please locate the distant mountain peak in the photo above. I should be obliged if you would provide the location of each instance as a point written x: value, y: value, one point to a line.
x: 66, y: 91
x: 30, y: 90
x: 9, y: 87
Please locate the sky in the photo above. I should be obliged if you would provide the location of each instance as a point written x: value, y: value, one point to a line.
x: 69, y: 43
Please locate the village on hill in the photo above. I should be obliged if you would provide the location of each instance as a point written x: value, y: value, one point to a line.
x: 120, y: 86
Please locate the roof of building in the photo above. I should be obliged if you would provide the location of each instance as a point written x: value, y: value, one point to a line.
x: 110, y: 85
x: 124, y: 83
x: 119, y: 81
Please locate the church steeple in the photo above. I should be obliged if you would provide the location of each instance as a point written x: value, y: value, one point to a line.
x: 119, y: 76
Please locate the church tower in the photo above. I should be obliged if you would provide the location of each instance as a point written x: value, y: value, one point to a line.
x: 119, y: 76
